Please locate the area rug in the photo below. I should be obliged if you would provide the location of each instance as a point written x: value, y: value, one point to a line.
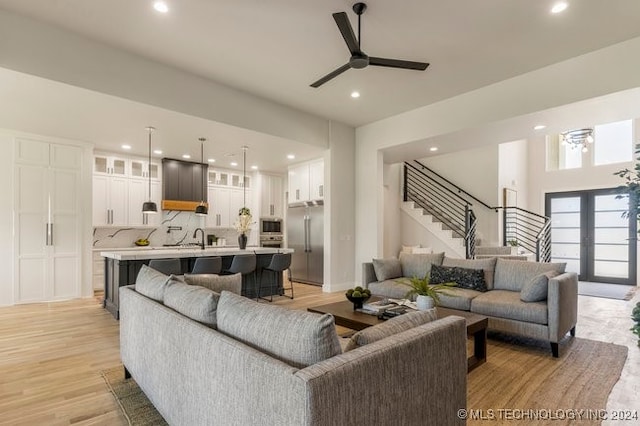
x: 521, y: 380
x: 607, y: 291
x: 134, y: 404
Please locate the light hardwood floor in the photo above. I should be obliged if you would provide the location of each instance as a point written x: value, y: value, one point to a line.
x: 51, y: 356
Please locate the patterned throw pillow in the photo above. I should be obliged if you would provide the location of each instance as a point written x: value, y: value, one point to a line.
x: 472, y: 279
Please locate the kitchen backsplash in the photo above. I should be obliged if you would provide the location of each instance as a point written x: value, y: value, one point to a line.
x: 177, y: 228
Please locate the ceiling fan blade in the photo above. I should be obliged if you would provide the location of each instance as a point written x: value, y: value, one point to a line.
x: 331, y: 75
x: 342, y: 20
x: 397, y: 63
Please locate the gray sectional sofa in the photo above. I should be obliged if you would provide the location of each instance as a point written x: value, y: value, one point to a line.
x: 551, y: 294
x: 223, y: 359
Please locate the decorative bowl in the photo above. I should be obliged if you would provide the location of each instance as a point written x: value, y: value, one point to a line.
x: 141, y: 243
x: 358, y: 301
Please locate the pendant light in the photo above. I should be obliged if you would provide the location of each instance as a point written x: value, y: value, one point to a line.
x: 202, y: 209
x: 149, y: 207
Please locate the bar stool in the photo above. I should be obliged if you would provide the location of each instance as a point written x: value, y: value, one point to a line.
x: 166, y: 266
x: 244, y: 264
x: 207, y: 265
x: 279, y: 263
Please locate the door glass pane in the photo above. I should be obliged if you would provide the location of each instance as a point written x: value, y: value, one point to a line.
x: 565, y: 232
x: 611, y: 236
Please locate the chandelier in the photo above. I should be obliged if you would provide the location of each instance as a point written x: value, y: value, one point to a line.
x: 579, y: 138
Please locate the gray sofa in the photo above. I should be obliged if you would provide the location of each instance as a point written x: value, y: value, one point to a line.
x: 548, y: 318
x: 237, y: 372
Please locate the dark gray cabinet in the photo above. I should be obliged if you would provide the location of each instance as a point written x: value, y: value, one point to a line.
x: 183, y: 180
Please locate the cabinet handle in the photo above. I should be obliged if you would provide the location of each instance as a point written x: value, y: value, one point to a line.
x: 271, y: 209
x: 46, y: 234
x: 297, y: 194
x: 321, y: 190
x: 51, y: 233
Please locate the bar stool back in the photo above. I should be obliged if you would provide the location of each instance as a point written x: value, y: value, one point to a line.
x: 207, y: 265
x: 166, y: 266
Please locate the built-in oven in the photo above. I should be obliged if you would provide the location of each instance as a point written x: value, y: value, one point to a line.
x: 271, y: 226
x: 271, y: 241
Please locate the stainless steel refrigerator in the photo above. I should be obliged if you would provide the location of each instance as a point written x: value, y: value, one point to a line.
x: 305, y: 234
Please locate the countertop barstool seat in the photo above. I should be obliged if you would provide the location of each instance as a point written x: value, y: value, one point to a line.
x: 166, y: 266
x: 279, y: 263
x: 207, y: 265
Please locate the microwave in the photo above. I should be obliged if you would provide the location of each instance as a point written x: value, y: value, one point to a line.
x: 271, y: 226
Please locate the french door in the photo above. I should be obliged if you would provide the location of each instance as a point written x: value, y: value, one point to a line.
x: 592, y: 232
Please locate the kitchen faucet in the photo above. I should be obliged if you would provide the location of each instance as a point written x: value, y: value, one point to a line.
x: 196, y: 233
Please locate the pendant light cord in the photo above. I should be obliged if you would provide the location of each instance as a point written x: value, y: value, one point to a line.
x: 244, y: 176
x: 149, y: 163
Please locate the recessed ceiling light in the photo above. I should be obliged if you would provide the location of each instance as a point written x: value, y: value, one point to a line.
x: 157, y: 151
x: 291, y: 156
x: 254, y: 167
x: 559, y: 7
x: 187, y: 156
x: 433, y: 149
x: 161, y: 6
x: 233, y: 163
x: 355, y: 94
x: 539, y: 127
x: 211, y: 160
x: 126, y: 146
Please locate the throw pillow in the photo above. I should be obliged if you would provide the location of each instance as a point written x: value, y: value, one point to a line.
x: 390, y: 327
x: 387, y: 269
x: 422, y: 250
x: 536, y: 289
x: 151, y: 283
x: 487, y: 265
x: 472, y: 279
x: 217, y: 283
x: 298, y: 338
x: 419, y: 265
x: 198, y: 303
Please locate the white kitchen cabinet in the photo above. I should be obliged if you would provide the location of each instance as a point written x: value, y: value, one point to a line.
x: 306, y: 182
x: 98, y: 271
x: 138, y: 190
x: 110, y: 165
x: 271, y: 196
x: 299, y: 183
x: 110, y: 200
x: 217, y: 177
x: 48, y: 220
x: 316, y: 180
x: 219, y: 199
x: 144, y: 169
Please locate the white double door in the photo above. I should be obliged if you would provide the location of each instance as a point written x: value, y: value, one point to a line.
x: 48, y: 221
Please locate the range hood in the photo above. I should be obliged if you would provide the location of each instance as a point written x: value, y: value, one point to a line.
x: 182, y: 184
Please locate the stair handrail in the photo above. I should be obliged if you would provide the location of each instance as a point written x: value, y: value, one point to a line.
x: 460, y: 190
x: 545, y: 218
x: 464, y: 201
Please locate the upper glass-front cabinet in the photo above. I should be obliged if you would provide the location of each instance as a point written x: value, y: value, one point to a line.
x: 108, y: 165
x: 143, y: 169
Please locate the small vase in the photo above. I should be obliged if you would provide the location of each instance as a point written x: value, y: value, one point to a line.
x: 242, y: 241
x: 424, y: 302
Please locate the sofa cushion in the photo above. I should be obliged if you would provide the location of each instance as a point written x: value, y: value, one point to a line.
x: 488, y: 266
x: 389, y: 288
x: 198, y: 303
x: 536, y: 289
x: 419, y: 265
x: 387, y: 269
x: 409, y: 249
x: 390, y: 327
x: 298, y: 338
x: 151, y: 283
x: 458, y: 298
x: 507, y: 304
x: 217, y: 283
x: 514, y: 274
x: 463, y: 277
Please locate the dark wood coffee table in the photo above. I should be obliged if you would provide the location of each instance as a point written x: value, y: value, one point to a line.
x: 345, y: 316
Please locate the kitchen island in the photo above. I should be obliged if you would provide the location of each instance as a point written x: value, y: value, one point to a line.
x: 121, y: 268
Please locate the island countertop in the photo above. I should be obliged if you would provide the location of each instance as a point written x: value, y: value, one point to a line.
x: 170, y: 252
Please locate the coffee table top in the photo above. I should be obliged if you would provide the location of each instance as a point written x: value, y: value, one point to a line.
x: 345, y: 316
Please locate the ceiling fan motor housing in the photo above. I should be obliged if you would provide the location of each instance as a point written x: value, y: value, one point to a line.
x: 359, y: 60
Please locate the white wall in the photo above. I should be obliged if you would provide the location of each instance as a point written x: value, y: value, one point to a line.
x: 339, y: 209
x: 553, y: 86
x: 394, y: 236
x: 6, y: 219
x: 513, y: 173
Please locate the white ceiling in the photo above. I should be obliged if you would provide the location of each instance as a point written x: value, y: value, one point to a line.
x: 275, y: 49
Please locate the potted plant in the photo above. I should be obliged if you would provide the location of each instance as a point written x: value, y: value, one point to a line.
x: 427, y: 296
x: 635, y: 315
x: 242, y: 225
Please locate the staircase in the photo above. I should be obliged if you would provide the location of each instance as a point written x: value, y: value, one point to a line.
x: 446, y: 211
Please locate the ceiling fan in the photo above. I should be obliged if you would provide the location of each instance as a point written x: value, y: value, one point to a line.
x: 359, y: 59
